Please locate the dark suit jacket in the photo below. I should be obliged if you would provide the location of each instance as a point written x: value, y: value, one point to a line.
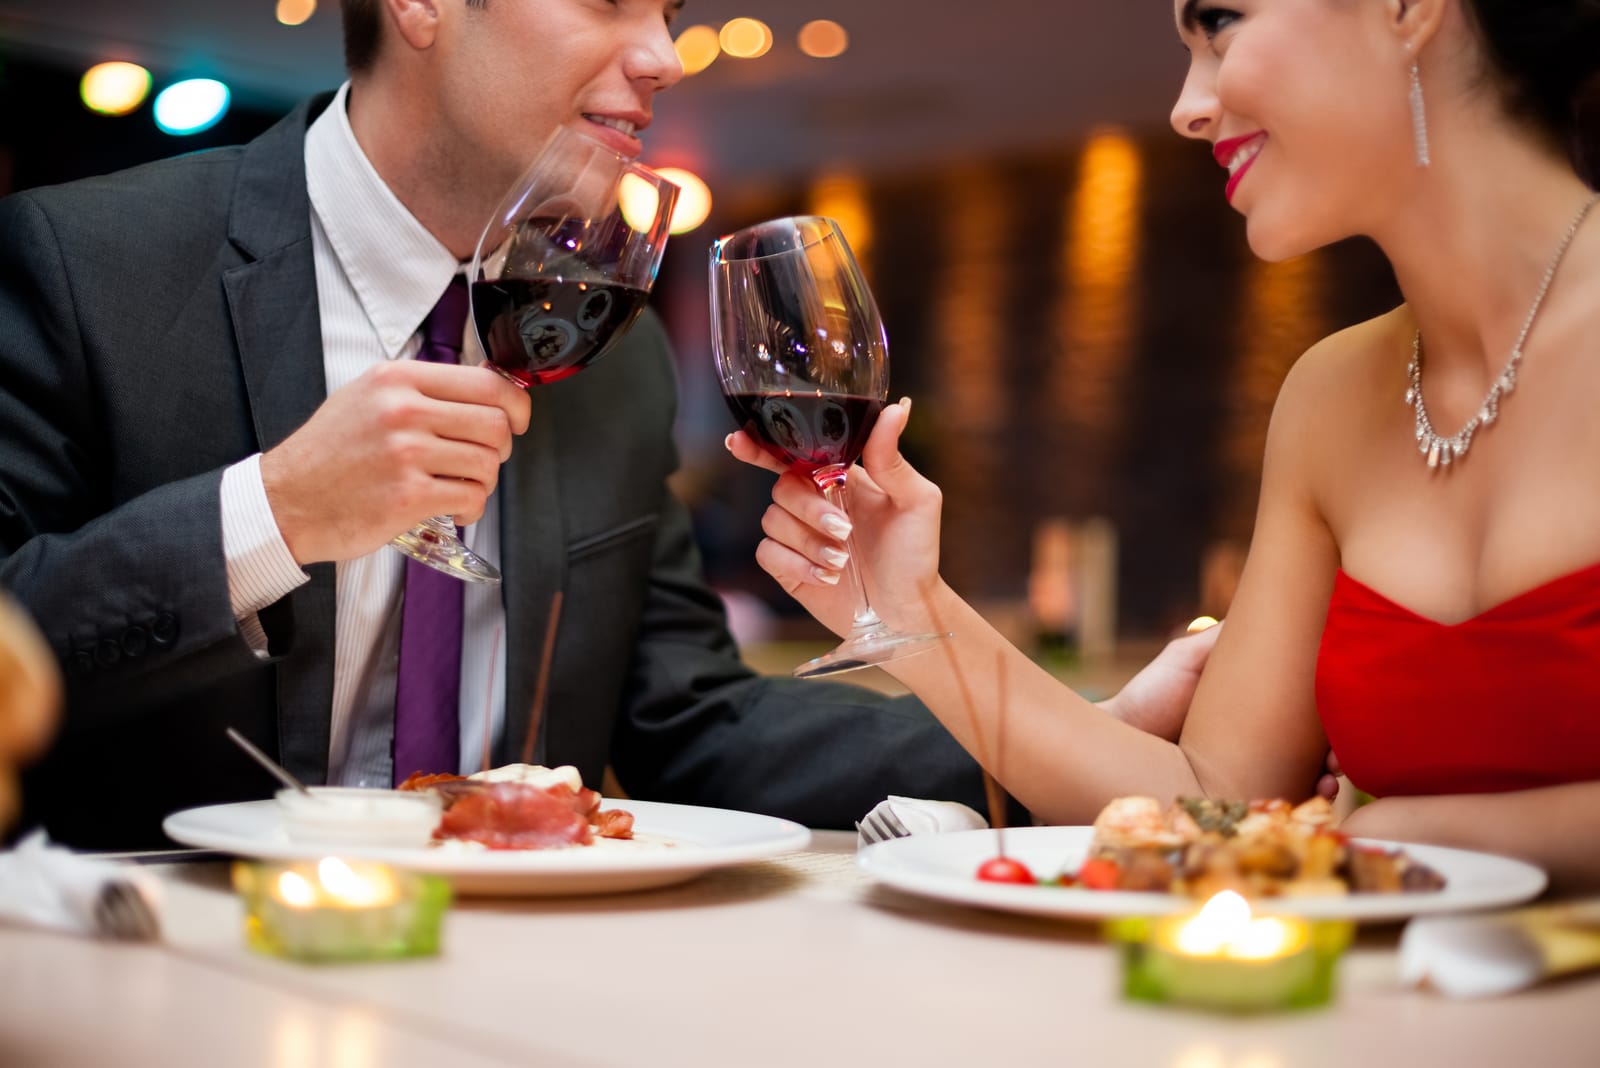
x: 160, y: 324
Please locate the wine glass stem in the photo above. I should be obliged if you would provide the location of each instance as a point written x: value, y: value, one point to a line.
x: 831, y: 480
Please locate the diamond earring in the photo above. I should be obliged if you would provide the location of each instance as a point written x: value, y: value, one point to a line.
x: 1419, y: 118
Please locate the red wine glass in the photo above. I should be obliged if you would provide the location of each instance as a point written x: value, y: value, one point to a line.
x: 561, y: 272
x: 804, y: 364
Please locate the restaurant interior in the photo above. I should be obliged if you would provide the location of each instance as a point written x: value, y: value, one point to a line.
x: 1093, y: 353
x: 1069, y: 301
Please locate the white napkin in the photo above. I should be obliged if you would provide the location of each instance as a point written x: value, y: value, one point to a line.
x: 1482, y: 956
x: 42, y: 885
x: 919, y: 816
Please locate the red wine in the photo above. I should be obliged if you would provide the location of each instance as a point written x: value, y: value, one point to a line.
x: 541, y: 330
x: 809, y: 429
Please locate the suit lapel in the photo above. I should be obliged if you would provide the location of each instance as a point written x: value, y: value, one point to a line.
x: 533, y: 560
x: 272, y: 298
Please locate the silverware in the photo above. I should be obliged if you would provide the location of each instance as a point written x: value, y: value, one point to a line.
x: 880, y: 825
x: 278, y: 771
x: 120, y: 911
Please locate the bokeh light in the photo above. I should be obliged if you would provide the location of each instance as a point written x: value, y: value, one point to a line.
x: 842, y: 197
x: 114, y: 88
x: 694, y: 199
x: 745, y: 38
x: 294, y: 12
x: 639, y: 201
x: 823, y: 39
x: 697, y: 48
x: 188, y: 107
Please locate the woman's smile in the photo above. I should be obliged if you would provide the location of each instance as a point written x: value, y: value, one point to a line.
x: 1237, y: 154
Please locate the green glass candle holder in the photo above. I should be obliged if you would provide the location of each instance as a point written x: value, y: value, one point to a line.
x: 335, y: 910
x: 1298, y: 971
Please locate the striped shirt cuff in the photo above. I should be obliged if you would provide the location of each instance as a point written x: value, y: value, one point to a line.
x: 261, y: 570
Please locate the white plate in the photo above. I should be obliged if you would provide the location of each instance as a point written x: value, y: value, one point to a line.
x: 945, y: 866
x: 677, y: 843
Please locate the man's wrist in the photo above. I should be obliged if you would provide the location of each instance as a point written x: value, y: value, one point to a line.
x: 261, y: 567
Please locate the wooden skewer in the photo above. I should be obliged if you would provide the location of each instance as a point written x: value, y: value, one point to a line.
x: 991, y: 783
x: 488, y: 702
x: 542, y: 686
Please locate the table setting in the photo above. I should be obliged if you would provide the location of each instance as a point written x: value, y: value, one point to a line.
x: 768, y: 960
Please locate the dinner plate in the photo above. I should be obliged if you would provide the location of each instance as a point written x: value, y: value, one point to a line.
x: 944, y: 866
x: 675, y: 843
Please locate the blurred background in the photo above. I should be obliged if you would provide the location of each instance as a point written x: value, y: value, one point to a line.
x: 1092, y: 348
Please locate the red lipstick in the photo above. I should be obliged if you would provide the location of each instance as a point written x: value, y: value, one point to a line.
x: 1225, y: 151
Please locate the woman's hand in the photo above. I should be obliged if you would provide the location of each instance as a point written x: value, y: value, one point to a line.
x: 894, y: 537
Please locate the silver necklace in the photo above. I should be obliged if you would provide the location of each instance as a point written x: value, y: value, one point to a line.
x: 1441, y: 451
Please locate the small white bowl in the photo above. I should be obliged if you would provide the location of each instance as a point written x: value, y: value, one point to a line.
x: 353, y: 816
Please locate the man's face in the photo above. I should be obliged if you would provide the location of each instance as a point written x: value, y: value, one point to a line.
x: 513, y: 70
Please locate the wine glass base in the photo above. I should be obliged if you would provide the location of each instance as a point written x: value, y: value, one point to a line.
x: 867, y: 650
x: 424, y: 545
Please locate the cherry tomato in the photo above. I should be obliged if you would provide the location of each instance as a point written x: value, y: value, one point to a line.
x: 1005, y: 870
x: 1099, y: 873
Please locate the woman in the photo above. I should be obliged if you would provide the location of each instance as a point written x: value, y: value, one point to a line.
x: 1465, y: 693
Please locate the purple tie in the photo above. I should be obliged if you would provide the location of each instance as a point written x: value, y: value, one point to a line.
x: 427, y: 697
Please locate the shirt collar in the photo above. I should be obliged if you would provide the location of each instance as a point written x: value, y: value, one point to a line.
x: 396, y: 267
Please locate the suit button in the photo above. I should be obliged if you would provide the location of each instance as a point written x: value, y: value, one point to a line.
x: 135, y: 640
x: 107, y: 653
x: 164, y: 629
x: 81, y: 663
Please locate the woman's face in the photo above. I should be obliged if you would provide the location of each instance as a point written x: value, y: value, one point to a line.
x: 1305, y: 103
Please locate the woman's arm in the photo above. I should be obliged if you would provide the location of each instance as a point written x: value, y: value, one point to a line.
x: 1252, y: 731
x: 1555, y: 827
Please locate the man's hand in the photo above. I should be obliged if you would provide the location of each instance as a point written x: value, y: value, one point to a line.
x: 1156, y: 700
x: 404, y: 441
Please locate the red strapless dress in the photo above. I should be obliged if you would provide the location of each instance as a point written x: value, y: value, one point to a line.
x: 1507, y: 700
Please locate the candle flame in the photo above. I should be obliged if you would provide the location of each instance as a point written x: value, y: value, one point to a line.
x: 1263, y: 939
x: 1224, y: 927
x: 1223, y: 919
x: 295, y: 890
x: 347, y: 887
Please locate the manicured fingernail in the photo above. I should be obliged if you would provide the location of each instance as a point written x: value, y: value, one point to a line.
x: 905, y: 402
x: 824, y: 576
x: 836, y: 558
x: 837, y: 525
x: 727, y: 443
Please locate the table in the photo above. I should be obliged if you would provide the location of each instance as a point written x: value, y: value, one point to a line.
x: 798, y: 961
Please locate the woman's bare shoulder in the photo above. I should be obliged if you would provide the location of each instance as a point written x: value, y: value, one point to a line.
x: 1351, y: 367
x: 1330, y: 392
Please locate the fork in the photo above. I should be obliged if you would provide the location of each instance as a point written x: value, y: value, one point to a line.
x: 122, y: 912
x: 880, y: 825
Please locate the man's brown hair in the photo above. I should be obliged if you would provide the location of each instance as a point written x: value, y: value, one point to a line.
x: 363, y: 26
x: 363, y: 30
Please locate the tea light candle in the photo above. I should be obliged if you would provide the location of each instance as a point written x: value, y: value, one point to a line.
x: 1223, y: 957
x: 340, y: 910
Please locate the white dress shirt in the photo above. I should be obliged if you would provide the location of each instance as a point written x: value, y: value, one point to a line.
x: 379, y: 273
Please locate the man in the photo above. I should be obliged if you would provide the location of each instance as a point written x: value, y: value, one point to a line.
x: 212, y: 423
x: 212, y: 426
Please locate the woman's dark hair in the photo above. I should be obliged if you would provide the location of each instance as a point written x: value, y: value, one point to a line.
x: 1546, y: 54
